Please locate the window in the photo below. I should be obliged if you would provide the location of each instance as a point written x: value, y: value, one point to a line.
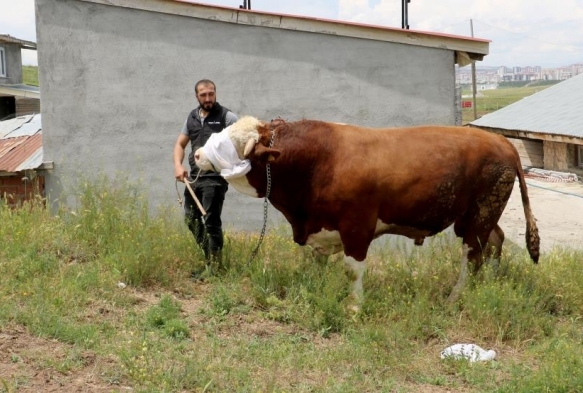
x: 580, y: 156
x: 2, y: 62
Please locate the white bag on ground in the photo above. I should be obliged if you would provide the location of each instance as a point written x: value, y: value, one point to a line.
x: 471, y: 352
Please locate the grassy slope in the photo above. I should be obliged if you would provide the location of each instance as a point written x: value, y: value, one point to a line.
x: 491, y: 100
x: 278, y: 324
x: 30, y: 75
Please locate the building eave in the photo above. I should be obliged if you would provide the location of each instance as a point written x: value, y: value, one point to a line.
x: 24, y: 44
x: 466, y: 48
x: 20, y: 91
x: 534, y: 135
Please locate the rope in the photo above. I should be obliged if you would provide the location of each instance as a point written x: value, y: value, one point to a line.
x: 550, y: 189
x: 547, y: 178
x: 187, y: 183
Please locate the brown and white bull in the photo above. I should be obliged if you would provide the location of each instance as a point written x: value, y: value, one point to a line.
x: 341, y: 186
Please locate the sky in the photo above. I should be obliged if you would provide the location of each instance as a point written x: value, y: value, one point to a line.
x: 546, y: 33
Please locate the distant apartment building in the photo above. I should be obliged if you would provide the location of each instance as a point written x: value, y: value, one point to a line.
x: 488, y: 76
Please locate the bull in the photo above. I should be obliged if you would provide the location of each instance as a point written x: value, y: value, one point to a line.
x: 341, y: 186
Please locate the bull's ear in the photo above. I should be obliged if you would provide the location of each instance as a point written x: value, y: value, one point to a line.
x: 266, y: 153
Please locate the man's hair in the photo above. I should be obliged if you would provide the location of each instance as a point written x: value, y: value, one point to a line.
x: 205, y: 82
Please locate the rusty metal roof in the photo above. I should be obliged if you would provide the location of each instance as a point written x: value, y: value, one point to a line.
x: 21, y: 144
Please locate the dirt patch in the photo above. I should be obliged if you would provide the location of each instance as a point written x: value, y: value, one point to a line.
x: 33, y: 364
x: 558, y: 209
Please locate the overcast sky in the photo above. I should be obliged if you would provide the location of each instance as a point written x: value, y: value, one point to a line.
x: 548, y: 33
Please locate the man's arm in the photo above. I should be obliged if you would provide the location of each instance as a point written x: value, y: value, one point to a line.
x: 180, y: 172
x: 230, y: 118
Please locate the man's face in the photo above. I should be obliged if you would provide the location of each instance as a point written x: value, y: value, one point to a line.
x: 206, y: 96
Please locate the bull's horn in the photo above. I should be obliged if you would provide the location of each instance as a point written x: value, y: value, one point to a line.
x: 248, y: 147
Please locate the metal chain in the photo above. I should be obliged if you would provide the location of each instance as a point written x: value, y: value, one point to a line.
x: 265, y: 205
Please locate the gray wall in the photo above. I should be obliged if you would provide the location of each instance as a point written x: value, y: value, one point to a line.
x: 13, y: 64
x: 117, y: 85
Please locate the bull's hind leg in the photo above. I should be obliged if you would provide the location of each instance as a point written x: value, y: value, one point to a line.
x: 494, y: 247
x: 463, y: 277
x: 479, y: 228
x: 495, y: 241
x: 472, y: 253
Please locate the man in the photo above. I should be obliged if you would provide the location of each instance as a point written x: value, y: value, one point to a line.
x: 210, y: 188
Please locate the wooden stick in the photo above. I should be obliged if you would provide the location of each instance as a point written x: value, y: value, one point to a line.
x: 195, y: 198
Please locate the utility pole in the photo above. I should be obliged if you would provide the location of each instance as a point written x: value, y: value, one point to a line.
x: 405, y: 14
x: 473, y: 77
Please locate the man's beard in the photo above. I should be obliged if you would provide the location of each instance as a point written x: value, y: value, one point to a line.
x: 208, y: 106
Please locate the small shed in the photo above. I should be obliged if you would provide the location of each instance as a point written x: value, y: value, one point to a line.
x: 21, y: 159
x: 546, y: 127
x: 16, y: 98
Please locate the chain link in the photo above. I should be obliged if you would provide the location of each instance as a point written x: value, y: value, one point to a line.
x: 265, y: 205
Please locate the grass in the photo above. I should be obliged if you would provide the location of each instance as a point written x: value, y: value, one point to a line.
x: 491, y: 100
x: 281, y: 323
x: 30, y: 75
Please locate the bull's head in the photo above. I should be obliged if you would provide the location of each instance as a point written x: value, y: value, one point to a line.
x: 233, y: 151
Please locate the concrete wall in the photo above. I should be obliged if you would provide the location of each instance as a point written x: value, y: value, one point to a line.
x: 117, y: 84
x: 13, y: 64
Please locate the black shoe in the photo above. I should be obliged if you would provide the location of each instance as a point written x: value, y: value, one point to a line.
x: 200, y: 275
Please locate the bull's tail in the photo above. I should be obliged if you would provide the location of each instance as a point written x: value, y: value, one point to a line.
x: 532, y: 237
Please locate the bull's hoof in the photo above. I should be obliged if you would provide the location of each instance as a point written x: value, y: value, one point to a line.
x: 353, y: 304
x: 454, y: 296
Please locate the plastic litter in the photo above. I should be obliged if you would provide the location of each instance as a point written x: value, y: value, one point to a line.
x: 471, y: 352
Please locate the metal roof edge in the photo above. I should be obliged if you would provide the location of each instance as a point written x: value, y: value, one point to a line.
x: 475, y: 48
x: 527, y: 134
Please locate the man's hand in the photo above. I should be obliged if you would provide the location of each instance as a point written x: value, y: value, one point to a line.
x: 180, y: 173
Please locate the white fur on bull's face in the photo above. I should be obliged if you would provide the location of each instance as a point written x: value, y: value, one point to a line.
x: 202, y: 161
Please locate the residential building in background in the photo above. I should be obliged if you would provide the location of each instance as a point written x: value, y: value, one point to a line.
x: 495, y: 75
x: 16, y: 98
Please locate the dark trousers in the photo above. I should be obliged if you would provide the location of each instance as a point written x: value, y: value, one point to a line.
x: 207, y: 231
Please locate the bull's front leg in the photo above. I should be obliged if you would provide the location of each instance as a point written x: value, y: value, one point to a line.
x: 325, y: 243
x: 358, y: 268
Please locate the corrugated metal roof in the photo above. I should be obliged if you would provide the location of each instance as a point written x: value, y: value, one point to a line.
x: 20, y: 153
x: 21, y: 144
x: 557, y: 110
x: 7, y: 126
x: 29, y: 128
